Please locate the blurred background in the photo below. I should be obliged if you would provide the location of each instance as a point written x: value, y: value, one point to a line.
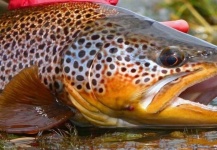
x: 3, y: 6
x: 202, y: 18
x: 201, y: 15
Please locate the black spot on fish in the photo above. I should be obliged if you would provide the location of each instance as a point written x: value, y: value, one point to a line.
x: 79, y: 78
x: 88, y: 45
x: 67, y: 69
x: 79, y: 87
x: 81, y: 53
x: 95, y: 37
x: 109, y: 59
x: 81, y: 41
x: 113, y: 50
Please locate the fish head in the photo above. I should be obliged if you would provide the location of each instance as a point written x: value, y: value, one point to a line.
x: 124, y: 69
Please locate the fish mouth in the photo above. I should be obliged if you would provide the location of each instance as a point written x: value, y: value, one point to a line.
x: 204, y: 92
x: 189, y: 100
x: 196, y: 87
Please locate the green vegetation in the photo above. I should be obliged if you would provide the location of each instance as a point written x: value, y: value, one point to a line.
x: 201, y: 15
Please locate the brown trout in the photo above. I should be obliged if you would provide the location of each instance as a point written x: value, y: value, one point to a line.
x: 102, y: 65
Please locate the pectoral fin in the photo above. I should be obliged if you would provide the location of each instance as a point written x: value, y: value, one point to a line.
x: 27, y: 106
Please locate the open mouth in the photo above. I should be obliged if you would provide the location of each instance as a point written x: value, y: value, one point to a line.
x: 184, y: 99
x: 197, y: 88
x: 204, y: 92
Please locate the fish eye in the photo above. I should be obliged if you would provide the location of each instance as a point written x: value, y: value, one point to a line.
x: 171, y: 57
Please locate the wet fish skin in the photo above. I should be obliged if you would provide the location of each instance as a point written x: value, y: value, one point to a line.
x: 103, y: 61
x: 31, y: 36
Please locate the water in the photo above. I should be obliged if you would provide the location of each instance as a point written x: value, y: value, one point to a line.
x: 97, y: 138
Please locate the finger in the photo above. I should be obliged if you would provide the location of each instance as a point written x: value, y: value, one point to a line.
x: 180, y: 25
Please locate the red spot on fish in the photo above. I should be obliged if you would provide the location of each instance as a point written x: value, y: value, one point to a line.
x: 130, y: 108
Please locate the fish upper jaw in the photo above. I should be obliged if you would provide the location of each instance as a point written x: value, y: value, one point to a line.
x: 152, y: 91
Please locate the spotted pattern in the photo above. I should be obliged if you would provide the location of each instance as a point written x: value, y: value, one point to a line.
x: 39, y: 36
x: 85, y: 43
x: 106, y: 53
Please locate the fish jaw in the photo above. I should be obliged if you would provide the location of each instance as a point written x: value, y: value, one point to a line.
x: 165, y: 109
x: 186, y: 113
x: 204, y: 71
x: 181, y: 113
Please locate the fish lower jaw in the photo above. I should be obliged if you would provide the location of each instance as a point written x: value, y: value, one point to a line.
x: 180, y: 101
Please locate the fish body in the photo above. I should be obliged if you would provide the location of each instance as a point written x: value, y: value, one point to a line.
x: 102, y: 65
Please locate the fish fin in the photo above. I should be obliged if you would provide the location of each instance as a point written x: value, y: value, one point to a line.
x: 27, y: 106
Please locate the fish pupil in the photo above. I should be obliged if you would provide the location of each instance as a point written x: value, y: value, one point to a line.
x: 171, y: 60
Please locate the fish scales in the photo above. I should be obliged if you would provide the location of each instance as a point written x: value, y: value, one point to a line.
x: 110, y: 66
x: 40, y: 36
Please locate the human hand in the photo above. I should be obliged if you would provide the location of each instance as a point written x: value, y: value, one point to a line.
x: 180, y: 25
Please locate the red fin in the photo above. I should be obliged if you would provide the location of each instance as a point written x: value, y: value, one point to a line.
x: 27, y: 106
